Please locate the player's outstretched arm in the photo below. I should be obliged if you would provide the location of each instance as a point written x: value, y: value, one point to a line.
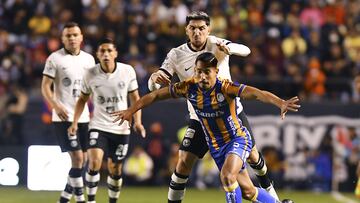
x: 233, y: 48
x: 157, y: 79
x: 79, y: 108
x: 268, y: 97
x: 138, y: 127
x: 161, y: 94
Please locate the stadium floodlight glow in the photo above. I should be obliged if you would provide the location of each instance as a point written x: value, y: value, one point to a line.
x: 9, y: 168
x: 48, y: 168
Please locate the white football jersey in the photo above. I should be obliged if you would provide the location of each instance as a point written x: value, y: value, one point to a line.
x: 181, y: 60
x: 109, y: 93
x: 67, y: 71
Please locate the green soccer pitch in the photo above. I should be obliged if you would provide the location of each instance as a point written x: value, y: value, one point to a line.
x: 159, y: 195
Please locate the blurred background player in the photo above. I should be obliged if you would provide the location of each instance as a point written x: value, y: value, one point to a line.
x: 110, y: 83
x: 64, y: 69
x: 181, y: 60
x: 214, y: 101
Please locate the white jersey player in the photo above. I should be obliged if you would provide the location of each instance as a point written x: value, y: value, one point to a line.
x: 181, y: 60
x: 64, y: 69
x: 110, y: 84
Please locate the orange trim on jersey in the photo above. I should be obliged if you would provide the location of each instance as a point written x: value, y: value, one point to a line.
x: 200, y: 99
x: 208, y: 129
x: 223, y: 130
x: 214, y: 102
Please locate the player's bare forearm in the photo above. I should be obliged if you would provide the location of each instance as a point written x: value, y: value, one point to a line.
x: 79, y: 107
x: 261, y: 95
x: 150, y: 98
x: 134, y: 97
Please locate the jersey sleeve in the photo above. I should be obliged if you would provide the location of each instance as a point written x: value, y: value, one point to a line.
x: 169, y: 64
x: 133, y: 84
x: 85, y: 87
x: 232, y: 89
x: 50, y: 67
x: 179, y: 89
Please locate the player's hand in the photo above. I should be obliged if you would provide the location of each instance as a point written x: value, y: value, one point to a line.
x: 223, y: 47
x: 72, y: 129
x: 160, y: 78
x: 61, y: 112
x: 139, y: 128
x: 122, y: 116
x: 289, y: 105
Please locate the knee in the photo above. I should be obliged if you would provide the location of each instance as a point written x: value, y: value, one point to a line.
x: 248, y: 192
x: 95, y: 164
x: 77, y: 160
x: 227, y: 178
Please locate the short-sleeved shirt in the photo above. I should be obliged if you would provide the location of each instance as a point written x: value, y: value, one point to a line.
x: 67, y: 72
x: 109, y: 93
x: 181, y: 60
x: 216, y: 110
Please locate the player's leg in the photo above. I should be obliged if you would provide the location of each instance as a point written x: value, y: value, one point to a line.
x: 71, y: 144
x: 228, y: 175
x: 118, y: 148
x: 96, y: 146
x: 257, y: 162
x: 193, y: 146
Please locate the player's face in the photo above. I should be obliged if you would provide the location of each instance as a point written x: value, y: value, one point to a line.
x: 71, y: 38
x: 106, y: 53
x: 197, y: 32
x: 205, y: 76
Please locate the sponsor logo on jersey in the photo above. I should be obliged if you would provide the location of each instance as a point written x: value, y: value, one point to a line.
x: 102, y: 100
x: 186, y: 69
x: 208, y: 114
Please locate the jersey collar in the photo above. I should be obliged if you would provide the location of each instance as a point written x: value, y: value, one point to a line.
x: 189, y: 45
x: 103, y: 71
x: 68, y: 52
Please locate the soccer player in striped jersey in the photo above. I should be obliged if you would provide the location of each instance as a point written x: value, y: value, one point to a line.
x: 64, y: 69
x: 110, y: 83
x: 214, y: 102
x: 181, y: 61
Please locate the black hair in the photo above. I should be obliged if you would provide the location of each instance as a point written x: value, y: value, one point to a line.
x: 208, y: 59
x: 70, y: 25
x: 198, y: 15
x: 106, y: 41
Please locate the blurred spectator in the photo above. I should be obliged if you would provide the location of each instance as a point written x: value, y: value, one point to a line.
x: 314, y: 80
x: 16, y: 106
x: 138, y: 167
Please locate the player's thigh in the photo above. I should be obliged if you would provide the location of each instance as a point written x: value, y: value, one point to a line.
x: 96, y: 147
x: 194, y: 140
x: 232, y: 165
x: 254, y: 155
x: 66, y: 142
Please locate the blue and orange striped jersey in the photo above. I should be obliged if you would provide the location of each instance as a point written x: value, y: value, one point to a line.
x: 216, y: 109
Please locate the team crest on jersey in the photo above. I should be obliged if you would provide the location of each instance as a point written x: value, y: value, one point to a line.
x: 220, y: 97
x: 66, y: 82
x: 121, y: 84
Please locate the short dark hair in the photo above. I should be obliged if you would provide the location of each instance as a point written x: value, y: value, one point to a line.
x: 106, y: 41
x: 70, y: 24
x: 208, y: 59
x: 198, y: 15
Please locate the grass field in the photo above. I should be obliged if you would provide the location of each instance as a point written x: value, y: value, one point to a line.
x: 159, y: 195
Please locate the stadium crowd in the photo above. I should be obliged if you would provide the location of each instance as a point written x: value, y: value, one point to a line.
x: 309, y: 48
